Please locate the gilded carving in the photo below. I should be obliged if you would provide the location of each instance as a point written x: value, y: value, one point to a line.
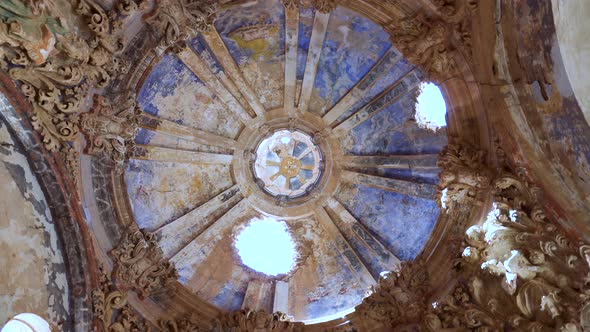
x: 251, y: 321
x: 111, y: 131
x: 176, y: 20
x: 138, y: 265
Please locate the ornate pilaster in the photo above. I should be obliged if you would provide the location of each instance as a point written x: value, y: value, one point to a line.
x: 139, y: 265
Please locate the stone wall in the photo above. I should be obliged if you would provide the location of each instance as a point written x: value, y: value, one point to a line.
x: 33, y: 274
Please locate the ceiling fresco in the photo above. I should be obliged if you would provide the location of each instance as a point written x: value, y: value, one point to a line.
x: 202, y: 101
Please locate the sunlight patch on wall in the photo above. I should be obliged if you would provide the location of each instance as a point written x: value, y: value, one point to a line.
x: 266, y: 246
x: 430, y: 107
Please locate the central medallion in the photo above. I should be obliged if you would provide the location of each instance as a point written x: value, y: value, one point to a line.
x: 288, y: 163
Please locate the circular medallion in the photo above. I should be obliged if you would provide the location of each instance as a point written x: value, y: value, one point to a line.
x: 288, y: 163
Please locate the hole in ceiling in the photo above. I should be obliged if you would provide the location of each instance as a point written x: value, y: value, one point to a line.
x: 266, y: 246
x: 430, y: 107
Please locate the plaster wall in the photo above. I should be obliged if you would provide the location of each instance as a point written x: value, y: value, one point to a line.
x: 572, y: 26
x: 32, y: 270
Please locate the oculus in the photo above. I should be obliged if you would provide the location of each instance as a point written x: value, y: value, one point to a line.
x: 288, y: 163
x: 266, y: 246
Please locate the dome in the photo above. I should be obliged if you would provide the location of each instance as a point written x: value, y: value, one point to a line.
x: 307, y: 121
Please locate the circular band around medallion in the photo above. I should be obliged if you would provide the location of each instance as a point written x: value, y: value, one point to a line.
x: 288, y: 163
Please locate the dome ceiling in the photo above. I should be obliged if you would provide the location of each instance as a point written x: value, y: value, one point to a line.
x: 334, y: 79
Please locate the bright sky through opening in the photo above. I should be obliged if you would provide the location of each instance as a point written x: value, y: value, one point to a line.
x: 266, y: 246
x: 431, y: 108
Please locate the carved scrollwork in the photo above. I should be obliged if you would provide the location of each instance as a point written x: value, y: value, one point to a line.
x: 398, y: 298
x: 462, y: 176
x: 139, y: 265
x: 425, y: 43
x: 325, y: 6
x: 111, y: 131
x: 525, y: 274
x: 111, y: 308
x: 251, y: 321
x: 57, y: 67
x: 176, y: 20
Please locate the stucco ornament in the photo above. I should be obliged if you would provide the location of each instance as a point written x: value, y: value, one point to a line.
x: 57, y: 68
x: 251, y: 321
x: 110, y: 130
x: 175, y: 20
x: 463, y: 175
x: 139, y: 266
x: 186, y: 324
x: 111, y: 308
x: 398, y: 299
x: 425, y: 43
x: 524, y: 274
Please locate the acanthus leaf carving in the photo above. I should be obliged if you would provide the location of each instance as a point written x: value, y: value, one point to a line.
x: 139, y: 265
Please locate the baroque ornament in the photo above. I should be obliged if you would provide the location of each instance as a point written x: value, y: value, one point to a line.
x: 56, y: 67
x: 425, y: 43
x: 139, y: 265
x: 463, y: 175
x: 111, y: 308
x: 111, y: 131
x: 175, y: 20
x: 522, y: 271
x: 252, y: 321
x: 398, y: 298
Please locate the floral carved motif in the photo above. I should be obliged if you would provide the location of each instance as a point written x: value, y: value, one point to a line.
x: 174, y: 20
x: 139, y: 265
x: 111, y: 131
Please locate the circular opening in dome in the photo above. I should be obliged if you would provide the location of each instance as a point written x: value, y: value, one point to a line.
x: 288, y: 163
x: 266, y: 246
x: 430, y: 107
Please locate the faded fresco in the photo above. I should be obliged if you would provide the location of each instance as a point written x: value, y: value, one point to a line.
x: 32, y: 273
x: 255, y: 37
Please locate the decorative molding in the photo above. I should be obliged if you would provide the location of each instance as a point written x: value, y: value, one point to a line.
x: 252, y: 321
x: 111, y: 308
x: 139, y: 265
x: 425, y: 43
x: 522, y: 272
x: 175, y: 20
x: 325, y: 6
x: 463, y: 175
x: 398, y: 298
x: 111, y: 131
